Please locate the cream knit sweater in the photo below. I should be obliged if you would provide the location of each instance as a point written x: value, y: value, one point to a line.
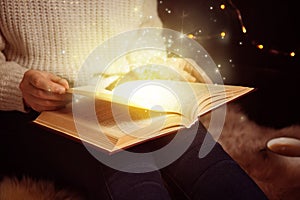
x: 57, y: 35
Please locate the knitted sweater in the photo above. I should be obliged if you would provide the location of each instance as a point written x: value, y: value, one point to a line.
x: 57, y: 35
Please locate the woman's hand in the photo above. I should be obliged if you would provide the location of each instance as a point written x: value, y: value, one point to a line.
x: 44, y: 91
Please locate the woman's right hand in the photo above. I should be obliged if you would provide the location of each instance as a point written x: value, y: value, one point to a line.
x: 44, y: 91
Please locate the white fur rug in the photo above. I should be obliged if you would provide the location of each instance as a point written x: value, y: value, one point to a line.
x: 245, y: 141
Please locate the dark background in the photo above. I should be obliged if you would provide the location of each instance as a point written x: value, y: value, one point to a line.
x: 271, y: 70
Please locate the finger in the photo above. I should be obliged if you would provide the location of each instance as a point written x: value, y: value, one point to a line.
x: 48, y: 81
x: 59, y: 81
x: 42, y: 104
x: 59, y: 100
x: 40, y: 81
x: 46, y: 95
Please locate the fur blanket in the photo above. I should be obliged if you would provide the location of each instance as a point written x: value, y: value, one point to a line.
x: 12, y: 188
x: 244, y: 140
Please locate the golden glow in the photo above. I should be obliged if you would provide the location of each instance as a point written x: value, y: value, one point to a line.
x: 292, y: 54
x: 222, y: 6
x: 244, y: 29
x: 260, y: 46
x: 223, y: 34
x: 190, y: 36
x: 154, y: 97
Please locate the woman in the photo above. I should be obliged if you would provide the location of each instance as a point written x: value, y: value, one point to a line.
x: 43, y: 45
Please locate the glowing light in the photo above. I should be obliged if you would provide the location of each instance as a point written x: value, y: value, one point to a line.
x: 191, y: 36
x: 136, y: 9
x: 168, y: 10
x: 222, y: 6
x: 244, y: 29
x: 260, y: 46
x: 292, y: 54
x: 157, y: 98
x: 223, y: 34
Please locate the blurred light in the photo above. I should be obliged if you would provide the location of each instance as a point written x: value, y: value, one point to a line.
x: 191, y: 36
x: 244, y: 29
x: 292, y: 54
x: 222, y: 6
x: 260, y: 46
x: 223, y: 34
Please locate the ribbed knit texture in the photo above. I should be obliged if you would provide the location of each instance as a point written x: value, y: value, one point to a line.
x: 57, y: 36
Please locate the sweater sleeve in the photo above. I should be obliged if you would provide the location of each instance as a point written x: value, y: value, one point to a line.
x: 11, y: 75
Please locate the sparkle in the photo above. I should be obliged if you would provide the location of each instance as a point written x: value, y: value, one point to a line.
x: 242, y: 118
x: 168, y: 10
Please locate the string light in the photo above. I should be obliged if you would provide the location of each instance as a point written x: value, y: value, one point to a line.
x: 260, y: 46
x: 223, y: 34
x: 239, y: 15
x: 230, y: 6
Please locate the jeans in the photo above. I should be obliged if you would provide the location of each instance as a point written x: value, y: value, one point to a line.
x: 27, y: 149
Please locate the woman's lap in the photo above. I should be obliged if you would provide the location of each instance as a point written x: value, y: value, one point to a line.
x: 28, y: 149
x: 215, y: 176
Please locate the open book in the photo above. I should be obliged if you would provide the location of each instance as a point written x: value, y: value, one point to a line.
x: 136, y: 111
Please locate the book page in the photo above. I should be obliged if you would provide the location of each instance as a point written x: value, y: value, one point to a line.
x: 118, y: 126
x: 185, y: 98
